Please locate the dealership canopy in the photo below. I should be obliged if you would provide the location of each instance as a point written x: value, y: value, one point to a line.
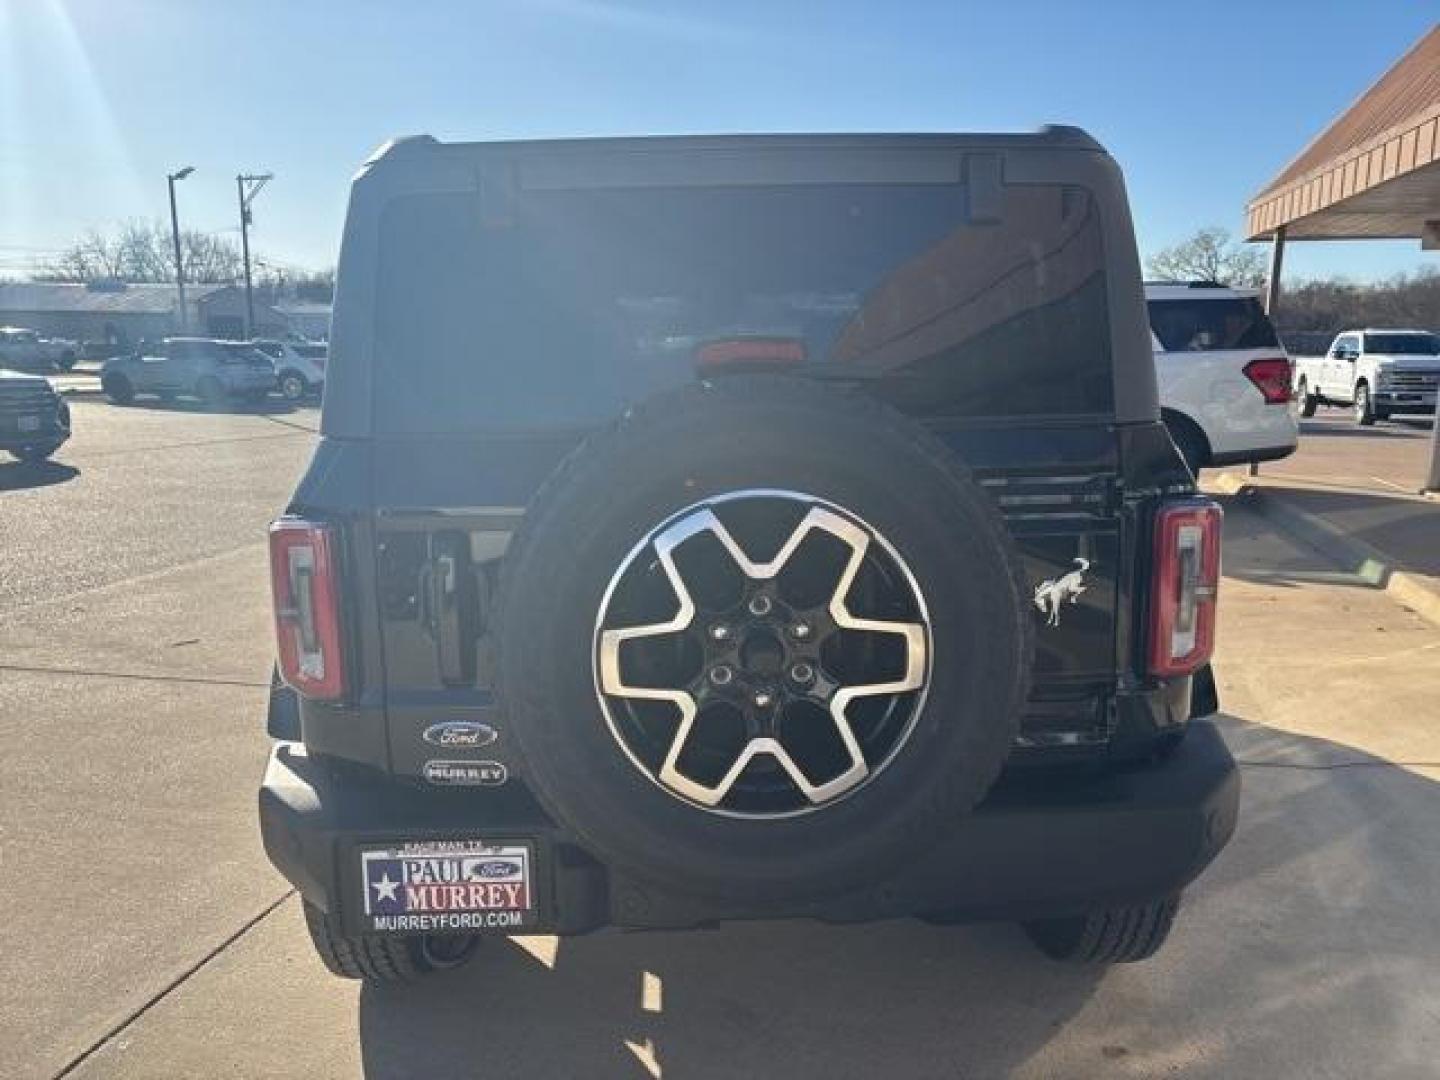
x: 1374, y: 173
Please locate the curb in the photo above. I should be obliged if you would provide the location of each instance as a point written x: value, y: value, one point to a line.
x: 1416, y: 591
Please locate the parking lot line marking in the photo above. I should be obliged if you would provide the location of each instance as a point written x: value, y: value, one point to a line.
x: 165, y: 991
x: 25, y: 669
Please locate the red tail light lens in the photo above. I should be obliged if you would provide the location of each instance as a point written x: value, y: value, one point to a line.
x: 744, y: 352
x: 1271, y: 375
x: 1185, y: 586
x: 304, y: 582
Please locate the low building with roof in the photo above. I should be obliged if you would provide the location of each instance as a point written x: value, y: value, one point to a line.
x: 122, y: 314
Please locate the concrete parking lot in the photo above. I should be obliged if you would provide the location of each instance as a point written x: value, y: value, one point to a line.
x: 146, y: 936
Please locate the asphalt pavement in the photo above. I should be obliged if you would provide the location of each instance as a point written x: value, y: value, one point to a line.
x: 146, y: 935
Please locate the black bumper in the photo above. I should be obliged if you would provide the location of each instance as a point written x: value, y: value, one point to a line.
x: 1039, y: 846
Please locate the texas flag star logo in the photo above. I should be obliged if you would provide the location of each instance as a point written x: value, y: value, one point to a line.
x: 384, y: 881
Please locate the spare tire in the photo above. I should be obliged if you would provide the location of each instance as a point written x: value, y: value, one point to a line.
x: 762, y: 639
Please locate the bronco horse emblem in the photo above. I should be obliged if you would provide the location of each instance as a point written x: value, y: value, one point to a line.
x: 1053, y: 592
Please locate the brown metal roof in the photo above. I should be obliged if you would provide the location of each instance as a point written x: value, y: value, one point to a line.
x: 1375, y: 171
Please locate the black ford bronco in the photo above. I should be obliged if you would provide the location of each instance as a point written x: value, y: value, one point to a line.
x: 742, y: 527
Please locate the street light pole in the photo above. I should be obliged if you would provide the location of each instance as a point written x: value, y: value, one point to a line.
x: 175, y: 235
x: 247, y: 187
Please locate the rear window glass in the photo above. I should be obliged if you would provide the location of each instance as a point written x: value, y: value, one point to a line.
x: 1206, y: 325
x: 575, y: 303
x: 1403, y: 344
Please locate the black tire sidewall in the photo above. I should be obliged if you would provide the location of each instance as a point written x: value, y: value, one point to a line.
x: 118, y: 388
x: 890, y: 475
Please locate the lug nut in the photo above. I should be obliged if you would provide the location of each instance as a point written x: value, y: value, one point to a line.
x: 763, y: 699
x: 719, y: 632
x: 721, y: 675
x: 802, y: 673
x: 760, y: 605
x: 800, y: 631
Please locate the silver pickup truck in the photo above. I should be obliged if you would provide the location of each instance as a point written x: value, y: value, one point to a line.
x: 1377, y: 373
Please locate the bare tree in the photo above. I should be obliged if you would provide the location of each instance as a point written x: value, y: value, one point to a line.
x: 1209, y: 255
x: 143, y: 251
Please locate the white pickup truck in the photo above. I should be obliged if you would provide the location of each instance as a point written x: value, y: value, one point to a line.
x: 1376, y: 372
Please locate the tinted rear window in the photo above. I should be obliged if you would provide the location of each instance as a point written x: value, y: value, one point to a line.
x: 1205, y: 325
x: 1403, y: 344
x: 576, y: 302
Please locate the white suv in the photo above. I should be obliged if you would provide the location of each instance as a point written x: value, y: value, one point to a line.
x: 299, y: 366
x: 1224, y: 376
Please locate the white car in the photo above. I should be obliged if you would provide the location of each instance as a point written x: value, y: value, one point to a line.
x: 1224, y: 376
x: 299, y: 366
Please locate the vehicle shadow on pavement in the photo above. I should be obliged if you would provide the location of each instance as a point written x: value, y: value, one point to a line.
x: 1308, y: 947
x: 268, y: 407
x: 1391, y: 429
x: 21, y: 475
x: 763, y: 999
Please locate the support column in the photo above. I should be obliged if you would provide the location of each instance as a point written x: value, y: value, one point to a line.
x: 1277, y: 262
x: 1272, y: 290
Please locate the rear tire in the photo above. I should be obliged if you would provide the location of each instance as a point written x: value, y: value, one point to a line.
x: 1190, y: 441
x: 118, y: 388
x: 1364, y: 407
x: 383, y: 959
x: 1114, y: 936
x: 1308, y: 401
x: 210, y: 391
x: 293, y: 386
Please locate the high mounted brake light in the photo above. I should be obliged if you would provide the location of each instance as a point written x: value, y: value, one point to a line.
x: 749, y: 352
x: 1185, y: 586
x: 1271, y: 376
x: 305, y: 586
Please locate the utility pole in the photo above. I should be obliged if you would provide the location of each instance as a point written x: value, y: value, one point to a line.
x: 175, y: 235
x: 247, y: 187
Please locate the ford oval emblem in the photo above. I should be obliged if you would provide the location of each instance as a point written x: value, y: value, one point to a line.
x: 461, y: 733
x: 496, y: 868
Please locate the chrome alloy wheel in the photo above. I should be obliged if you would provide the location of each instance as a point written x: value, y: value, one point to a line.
x: 757, y: 686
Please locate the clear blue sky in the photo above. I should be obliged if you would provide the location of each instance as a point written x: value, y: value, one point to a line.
x: 1202, y: 103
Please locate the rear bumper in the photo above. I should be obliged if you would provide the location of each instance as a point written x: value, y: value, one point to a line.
x: 1038, y: 846
x: 52, y: 432
x: 1241, y: 457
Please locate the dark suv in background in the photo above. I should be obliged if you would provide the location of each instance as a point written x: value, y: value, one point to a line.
x: 34, y: 419
x: 742, y: 527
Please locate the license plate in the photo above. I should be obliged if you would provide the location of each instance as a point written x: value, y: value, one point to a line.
x: 29, y: 423
x: 448, y: 886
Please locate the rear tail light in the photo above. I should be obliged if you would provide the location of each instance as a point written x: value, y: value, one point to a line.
x: 750, y: 352
x: 305, y: 585
x: 1185, y: 586
x: 1271, y: 376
